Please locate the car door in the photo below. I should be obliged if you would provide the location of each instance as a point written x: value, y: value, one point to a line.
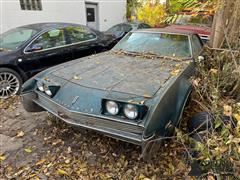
x: 49, y: 49
x: 83, y: 41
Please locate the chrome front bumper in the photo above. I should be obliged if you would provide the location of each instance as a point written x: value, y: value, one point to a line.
x: 110, y: 127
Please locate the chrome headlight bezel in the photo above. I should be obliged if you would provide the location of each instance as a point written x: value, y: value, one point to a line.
x: 140, y: 110
x: 112, y: 107
x: 40, y: 86
x: 47, y: 88
x: 131, y: 111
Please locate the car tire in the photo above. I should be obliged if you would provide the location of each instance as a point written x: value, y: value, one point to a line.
x: 201, y: 121
x: 10, y: 82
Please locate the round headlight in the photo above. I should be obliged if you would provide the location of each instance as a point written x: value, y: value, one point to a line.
x: 47, y: 90
x: 112, y: 107
x: 40, y: 86
x: 131, y: 111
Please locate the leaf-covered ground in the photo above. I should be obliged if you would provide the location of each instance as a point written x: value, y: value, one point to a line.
x: 50, y: 149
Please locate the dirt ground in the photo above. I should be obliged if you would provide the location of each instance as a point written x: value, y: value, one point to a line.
x: 35, y: 146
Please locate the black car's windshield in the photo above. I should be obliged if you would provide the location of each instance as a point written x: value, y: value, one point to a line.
x: 184, y: 19
x: 162, y: 44
x: 13, y: 39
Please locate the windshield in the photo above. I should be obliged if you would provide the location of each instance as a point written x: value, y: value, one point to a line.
x: 13, y: 39
x: 198, y: 19
x: 162, y: 44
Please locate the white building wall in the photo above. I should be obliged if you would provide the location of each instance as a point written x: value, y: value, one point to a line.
x: 73, y: 11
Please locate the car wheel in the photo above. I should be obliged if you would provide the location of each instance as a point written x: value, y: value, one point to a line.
x: 10, y: 82
x: 200, y: 122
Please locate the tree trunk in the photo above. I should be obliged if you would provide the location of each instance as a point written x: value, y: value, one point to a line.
x: 226, y: 24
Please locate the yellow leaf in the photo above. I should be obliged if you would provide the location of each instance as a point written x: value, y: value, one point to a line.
x: 60, y: 171
x: 40, y: 162
x: 146, y: 95
x: 213, y: 71
x: 28, y: 150
x: 175, y: 72
x: 2, y: 158
x: 227, y: 110
x: 20, y: 134
x: 237, y: 117
x: 76, y: 77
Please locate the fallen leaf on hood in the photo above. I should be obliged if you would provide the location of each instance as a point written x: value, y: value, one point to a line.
x: 20, y: 134
x: 77, y: 77
x: 146, y: 95
x: 175, y: 72
x: 46, y: 79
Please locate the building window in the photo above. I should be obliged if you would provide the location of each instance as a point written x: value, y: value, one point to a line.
x: 35, y: 5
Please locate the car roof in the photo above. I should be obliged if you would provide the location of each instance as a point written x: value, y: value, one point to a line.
x: 167, y: 30
x: 42, y: 26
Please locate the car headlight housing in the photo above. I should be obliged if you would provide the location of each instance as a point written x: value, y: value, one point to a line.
x: 130, y: 111
x: 112, y: 107
x: 47, y: 90
x: 40, y: 86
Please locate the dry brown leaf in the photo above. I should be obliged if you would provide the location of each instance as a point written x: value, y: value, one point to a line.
x: 227, y: 110
x: 40, y: 162
x: 77, y: 77
x: 2, y: 158
x: 146, y: 95
x: 175, y: 72
x: 20, y: 134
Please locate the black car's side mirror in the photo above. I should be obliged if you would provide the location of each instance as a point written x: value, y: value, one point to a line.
x: 34, y: 47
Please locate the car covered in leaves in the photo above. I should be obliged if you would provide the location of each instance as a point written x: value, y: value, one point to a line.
x: 136, y: 92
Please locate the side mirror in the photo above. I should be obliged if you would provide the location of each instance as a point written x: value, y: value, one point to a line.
x: 34, y: 47
x: 201, y: 58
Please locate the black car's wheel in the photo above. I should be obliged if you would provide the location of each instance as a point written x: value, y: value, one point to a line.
x: 200, y: 122
x: 10, y: 82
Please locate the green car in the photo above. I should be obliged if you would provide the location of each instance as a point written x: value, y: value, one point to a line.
x: 136, y: 92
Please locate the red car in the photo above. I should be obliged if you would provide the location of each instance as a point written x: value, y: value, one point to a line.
x: 199, y: 23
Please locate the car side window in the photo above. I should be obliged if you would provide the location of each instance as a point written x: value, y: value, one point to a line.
x: 197, y: 45
x: 51, y: 39
x: 126, y: 28
x: 79, y: 34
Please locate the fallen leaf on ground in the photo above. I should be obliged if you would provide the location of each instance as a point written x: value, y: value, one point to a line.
x: 20, y: 134
x: 28, y: 150
x: 40, y: 162
x: 227, y: 110
x: 62, y: 172
x: 2, y: 158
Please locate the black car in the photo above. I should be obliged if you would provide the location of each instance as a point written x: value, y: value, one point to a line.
x: 27, y: 50
x: 120, y: 30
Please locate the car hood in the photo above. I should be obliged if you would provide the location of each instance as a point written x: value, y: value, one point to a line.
x: 120, y: 73
x: 202, y: 30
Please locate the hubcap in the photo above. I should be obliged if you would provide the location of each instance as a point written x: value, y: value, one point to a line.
x: 9, y: 84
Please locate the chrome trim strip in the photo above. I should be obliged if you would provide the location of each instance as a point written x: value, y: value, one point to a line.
x: 24, y: 51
